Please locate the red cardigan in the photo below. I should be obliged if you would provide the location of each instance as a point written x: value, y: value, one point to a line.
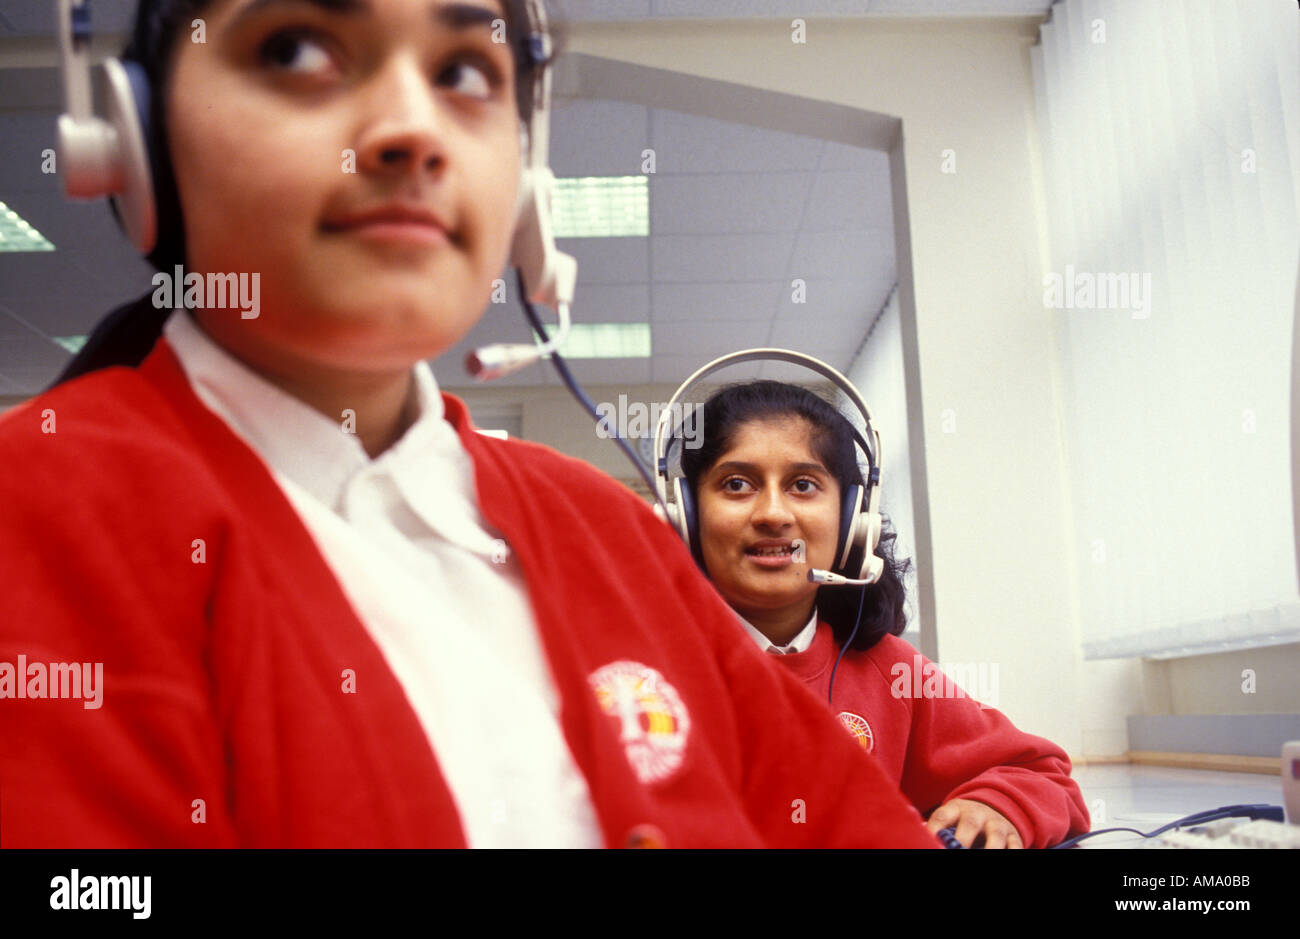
x: 942, y: 748
x: 225, y: 720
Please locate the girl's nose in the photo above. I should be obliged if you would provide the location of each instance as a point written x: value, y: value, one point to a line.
x: 771, y: 510
x: 404, y: 133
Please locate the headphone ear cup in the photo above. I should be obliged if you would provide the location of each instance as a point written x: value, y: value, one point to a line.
x: 851, y: 531
x: 873, y: 567
x: 127, y: 89
x: 859, y: 537
x: 688, y: 523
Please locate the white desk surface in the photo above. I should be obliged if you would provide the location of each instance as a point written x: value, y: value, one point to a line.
x: 1146, y: 797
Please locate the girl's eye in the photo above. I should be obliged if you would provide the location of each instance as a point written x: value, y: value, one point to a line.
x: 469, y: 79
x: 805, y: 486
x: 734, y: 484
x: 296, y: 51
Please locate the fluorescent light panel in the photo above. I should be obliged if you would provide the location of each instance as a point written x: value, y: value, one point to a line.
x: 605, y: 341
x: 17, y: 235
x: 72, y: 343
x: 601, y: 207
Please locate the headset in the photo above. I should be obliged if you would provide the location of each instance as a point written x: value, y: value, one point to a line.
x: 856, y: 563
x: 112, y: 157
x: 106, y: 157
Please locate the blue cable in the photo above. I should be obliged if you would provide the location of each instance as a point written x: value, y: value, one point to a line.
x: 1253, y: 811
x: 575, y: 389
x: 830, y: 692
x: 949, y: 838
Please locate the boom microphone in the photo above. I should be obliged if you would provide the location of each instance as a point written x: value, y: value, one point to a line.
x: 501, y: 358
x: 816, y: 576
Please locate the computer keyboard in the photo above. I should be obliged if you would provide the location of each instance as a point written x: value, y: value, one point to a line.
x: 1231, y: 833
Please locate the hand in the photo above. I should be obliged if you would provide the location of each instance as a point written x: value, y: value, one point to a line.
x: 973, y: 820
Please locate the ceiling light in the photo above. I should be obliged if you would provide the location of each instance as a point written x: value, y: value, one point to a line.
x: 17, y: 235
x: 601, y: 207
x: 72, y: 343
x: 605, y: 341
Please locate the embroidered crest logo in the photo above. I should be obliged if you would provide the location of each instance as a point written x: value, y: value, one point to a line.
x: 859, y: 728
x: 653, y: 721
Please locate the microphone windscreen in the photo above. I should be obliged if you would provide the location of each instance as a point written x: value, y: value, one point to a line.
x: 498, y: 360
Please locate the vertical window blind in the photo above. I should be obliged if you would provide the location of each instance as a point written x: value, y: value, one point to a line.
x: 1170, y: 139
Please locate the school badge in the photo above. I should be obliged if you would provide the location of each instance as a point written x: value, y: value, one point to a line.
x: 653, y: 721
x: 859, y: 728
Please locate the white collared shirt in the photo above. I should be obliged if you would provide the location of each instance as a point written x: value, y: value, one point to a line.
x: 799, y: 643
x: 404, y: 536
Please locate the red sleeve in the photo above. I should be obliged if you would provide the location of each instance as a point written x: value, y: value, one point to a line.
x: 959, y: 749
x: 79, y: 577
x: 805, y: 782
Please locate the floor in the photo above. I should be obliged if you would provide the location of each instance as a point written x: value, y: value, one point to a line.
x: 1146, y: 797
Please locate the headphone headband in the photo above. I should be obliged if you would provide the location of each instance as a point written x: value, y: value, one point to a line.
x: 538, y: 51
x: 870, y: 445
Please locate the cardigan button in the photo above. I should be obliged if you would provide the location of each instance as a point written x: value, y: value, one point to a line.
x: 646, y: 836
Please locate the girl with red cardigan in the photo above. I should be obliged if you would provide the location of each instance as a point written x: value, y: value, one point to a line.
x: 264, y: 584
x: 767, y: 481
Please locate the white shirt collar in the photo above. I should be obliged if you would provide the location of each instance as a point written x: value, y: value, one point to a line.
x: 285, y: 431
x: 800, y: 643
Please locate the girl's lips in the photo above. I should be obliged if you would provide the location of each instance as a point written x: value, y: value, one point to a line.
x: 771, y: 556
x: 408, y: 223
x: 399, y: 231
x: 773, y: 562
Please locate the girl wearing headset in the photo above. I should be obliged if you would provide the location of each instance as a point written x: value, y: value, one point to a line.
x: 316, y: 607
x: 768, y: 482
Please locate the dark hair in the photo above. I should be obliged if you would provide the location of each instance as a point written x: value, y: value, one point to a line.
x: 833, y: 442
x: 126, y: 335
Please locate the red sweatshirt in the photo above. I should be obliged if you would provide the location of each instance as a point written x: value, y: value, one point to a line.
x: 940, y: 747
x: 244, y: 703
